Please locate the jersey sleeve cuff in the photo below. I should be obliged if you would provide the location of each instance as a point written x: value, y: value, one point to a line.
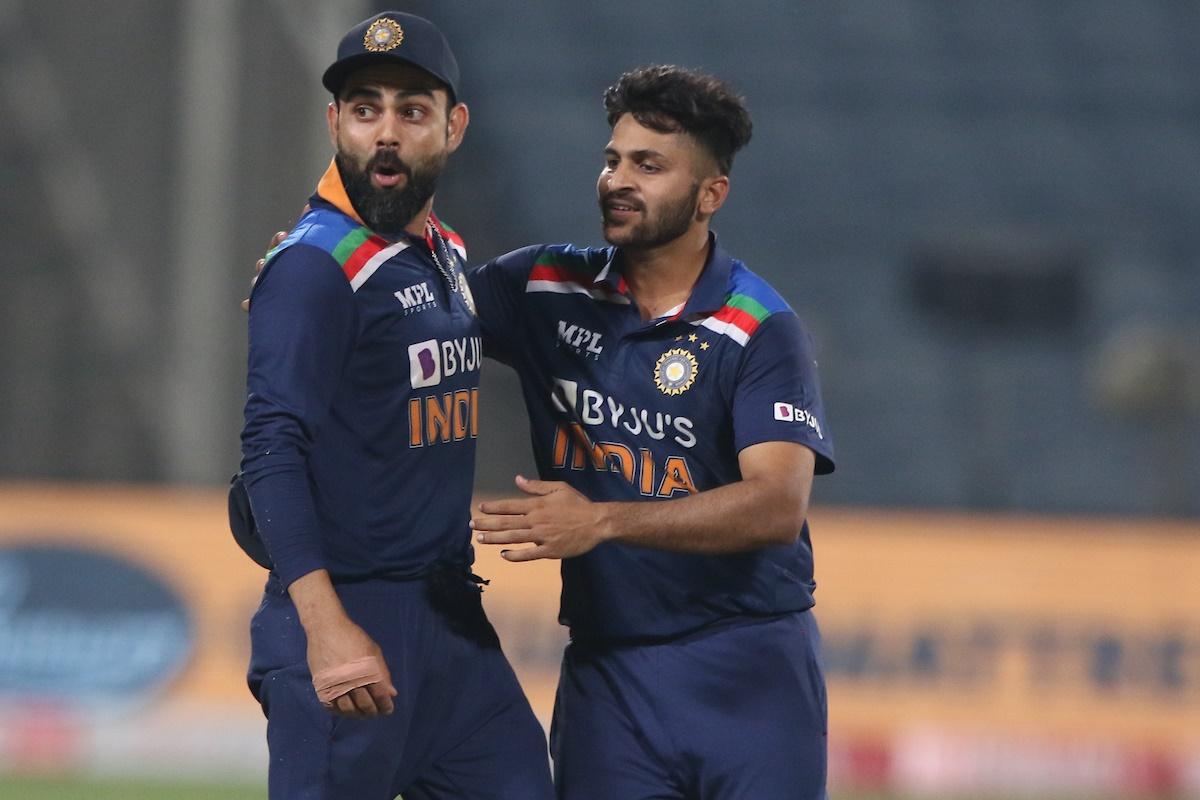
x: 824, y: 453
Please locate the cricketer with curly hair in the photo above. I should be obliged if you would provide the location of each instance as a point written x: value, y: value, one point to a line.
x: 677, y: 424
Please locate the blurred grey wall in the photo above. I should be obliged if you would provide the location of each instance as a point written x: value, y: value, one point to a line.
x: 986, y: 214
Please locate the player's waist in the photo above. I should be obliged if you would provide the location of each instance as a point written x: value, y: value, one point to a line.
x: 585, y: 638
x: 437, y: 572
x: 636, y: 602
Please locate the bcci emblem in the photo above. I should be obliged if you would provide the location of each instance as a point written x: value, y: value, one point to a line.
x: 383, y: 35
x: 675, y: 371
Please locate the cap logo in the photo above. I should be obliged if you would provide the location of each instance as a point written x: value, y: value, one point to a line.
x: 384, y: 34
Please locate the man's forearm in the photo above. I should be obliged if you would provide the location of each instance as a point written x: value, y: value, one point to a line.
x: 766, y: 508
x: 746, y: 515
x: 316, y: 601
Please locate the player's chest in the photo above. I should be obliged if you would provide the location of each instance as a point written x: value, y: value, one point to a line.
x: 617, y: 361
x: 406, y: 298
x: 416, y: 328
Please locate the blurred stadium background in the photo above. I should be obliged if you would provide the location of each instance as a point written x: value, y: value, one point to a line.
x: 986, y: 212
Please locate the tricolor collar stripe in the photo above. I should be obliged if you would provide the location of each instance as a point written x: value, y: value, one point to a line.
x: 747, y: 304
x: 355, y: 250
x: 549, y: 271
x: 374, y: 262
x: 725, y: 329
x: 733, y: 322
x: 559, y: 286
x: 569, y: 268
x: 738, y: 318
x: 550, y: 275
x: 344, y: 251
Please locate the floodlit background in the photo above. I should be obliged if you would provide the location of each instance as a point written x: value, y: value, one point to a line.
x: 987, y: 215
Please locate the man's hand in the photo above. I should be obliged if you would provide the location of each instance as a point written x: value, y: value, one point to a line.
x: 262, y: 262
x: 333, y: 648
x: 340, y: 652
x: 558, y: 520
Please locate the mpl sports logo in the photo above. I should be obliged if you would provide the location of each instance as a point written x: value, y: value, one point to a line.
x: 432, y: 360
x: 786, y: 412
x: 416, y: 298
x: 580, y: 339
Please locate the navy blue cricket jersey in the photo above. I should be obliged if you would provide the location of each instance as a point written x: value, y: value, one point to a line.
x: 626, y: 409
x: 361, y: 416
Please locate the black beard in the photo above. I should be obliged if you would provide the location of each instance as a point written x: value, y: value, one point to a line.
x: 389, y: 211
x: 668, y: 225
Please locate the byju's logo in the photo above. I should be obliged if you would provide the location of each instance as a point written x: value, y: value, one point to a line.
x: 591, y: 408
x: 432, y: 360
x: 786, y: 412
x: 425, y: 363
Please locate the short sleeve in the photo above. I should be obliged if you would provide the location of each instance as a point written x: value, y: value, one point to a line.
x: 777, y: 396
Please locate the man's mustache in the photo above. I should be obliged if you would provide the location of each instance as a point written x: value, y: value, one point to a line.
x: 388, y: 160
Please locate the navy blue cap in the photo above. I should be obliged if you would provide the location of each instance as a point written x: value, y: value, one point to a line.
x: 394, y: 36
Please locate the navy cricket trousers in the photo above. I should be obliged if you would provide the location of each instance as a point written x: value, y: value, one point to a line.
x: 462, y: 727
x: 736, y: 711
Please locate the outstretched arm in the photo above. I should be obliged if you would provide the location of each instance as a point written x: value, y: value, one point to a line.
x: 767, y: 507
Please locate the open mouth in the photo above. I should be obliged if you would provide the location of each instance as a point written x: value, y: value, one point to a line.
x: 387, y: 169
x: 387, y: 176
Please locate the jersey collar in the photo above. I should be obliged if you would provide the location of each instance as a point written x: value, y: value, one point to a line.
x: 331, y: 189
x: 611, y: 273
x: 707, y: 295
x: 712, y: 287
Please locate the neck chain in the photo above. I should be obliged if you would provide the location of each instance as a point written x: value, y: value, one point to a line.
x: 444, y: 260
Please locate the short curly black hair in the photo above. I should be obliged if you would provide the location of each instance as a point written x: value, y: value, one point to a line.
x: 671, y: 99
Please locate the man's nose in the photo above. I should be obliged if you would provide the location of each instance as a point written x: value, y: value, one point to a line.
x: 388, y: 134
x: 619, y: 178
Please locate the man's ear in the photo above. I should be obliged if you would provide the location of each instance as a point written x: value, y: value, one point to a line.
x: 713, y: 192
x: 456, y: 126
x: 331, y: 117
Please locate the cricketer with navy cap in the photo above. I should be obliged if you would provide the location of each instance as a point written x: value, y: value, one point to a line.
x: 372, y: 658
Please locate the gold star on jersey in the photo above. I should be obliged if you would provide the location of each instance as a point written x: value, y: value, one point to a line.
x: 675, y: 371
x: 383, y: 35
